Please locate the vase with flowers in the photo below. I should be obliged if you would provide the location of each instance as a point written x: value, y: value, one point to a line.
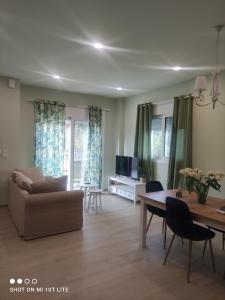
x: 198, y: 182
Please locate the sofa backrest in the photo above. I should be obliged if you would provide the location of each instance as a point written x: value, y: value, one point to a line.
x: 35, y: 174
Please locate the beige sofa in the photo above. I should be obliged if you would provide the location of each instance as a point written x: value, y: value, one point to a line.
x: 38, y: 215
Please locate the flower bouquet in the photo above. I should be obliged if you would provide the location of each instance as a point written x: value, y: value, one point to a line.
x: 198, y: 182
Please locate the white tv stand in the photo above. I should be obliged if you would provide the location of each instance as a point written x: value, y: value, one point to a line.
x: 126, y: 187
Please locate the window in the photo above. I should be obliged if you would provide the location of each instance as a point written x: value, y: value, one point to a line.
x: 168, y: 132
x: 156, y: 138
x: 80, y: 151
x: 161, y: 136
x: 76, y: 135
x: 76, y: 145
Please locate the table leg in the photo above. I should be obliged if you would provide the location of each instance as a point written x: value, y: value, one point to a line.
x: 85, y: 198
x: 143, y: 208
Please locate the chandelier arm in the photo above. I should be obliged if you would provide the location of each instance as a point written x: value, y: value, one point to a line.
x: 203, y: 104
x: 221, y: 102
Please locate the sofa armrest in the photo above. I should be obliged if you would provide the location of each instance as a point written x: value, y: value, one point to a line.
x: 52, y: 213
x: 16, y: 206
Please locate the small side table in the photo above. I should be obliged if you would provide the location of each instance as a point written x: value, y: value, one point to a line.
x: 94, y: 195
x: 85, y: 187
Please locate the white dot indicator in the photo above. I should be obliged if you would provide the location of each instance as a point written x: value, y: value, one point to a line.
x: 19, y: 281
x: 12, y: 281
x: 26, y: 280
x: 34, y: 281
x: 119, y: 88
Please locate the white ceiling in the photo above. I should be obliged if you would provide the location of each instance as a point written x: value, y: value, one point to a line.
x: 144, y: 38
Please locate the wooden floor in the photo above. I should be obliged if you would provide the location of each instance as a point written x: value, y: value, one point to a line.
x: 104, y: 262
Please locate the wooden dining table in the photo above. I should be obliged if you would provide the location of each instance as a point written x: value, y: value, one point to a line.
x: 203, y: 213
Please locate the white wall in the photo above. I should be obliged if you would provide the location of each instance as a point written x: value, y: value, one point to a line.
x: 9, y: 132
x: 119, y: 123
x: 208, y: 126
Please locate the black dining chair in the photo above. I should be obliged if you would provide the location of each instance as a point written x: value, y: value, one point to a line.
x: 180, y: 221
x: 156, y: 186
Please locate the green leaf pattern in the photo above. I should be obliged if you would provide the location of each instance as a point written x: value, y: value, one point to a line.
x: 49, y: 137
x: 93, y: 172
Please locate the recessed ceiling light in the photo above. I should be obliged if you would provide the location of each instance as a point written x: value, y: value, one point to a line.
x: 119, y: 89
x: 98, y: 46
x: 177, y: 68
x: 56, y: 76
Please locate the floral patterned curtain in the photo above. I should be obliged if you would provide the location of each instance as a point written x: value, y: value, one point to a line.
x: 49, y: 137
x: 94, y: 162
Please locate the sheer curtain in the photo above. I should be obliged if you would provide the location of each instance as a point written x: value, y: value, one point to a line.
x: 93, y: 172
x: 142, y: 145
x: 49, y: 137
x: 181, y: 139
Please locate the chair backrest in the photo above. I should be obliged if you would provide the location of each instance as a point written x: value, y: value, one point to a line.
x: 153, y: 186
x: 178, y: 216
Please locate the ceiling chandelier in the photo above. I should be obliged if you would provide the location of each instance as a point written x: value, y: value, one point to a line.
x: 201, y: 84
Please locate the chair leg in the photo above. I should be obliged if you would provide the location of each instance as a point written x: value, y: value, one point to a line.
x: 165, y: 229
x: 223, y: 242
x: 189, y: 261
x: 100, y: 199
x: 89, y: 202
x: 203, y: 252
x: 168, y: 251
x: 149, y: 222
x: 163, y: 225
x: 212, y: 255
x: 182, y: 241
x: 96, y: 204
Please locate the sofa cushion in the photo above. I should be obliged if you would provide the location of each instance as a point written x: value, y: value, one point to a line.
x: 48, y: 186
x: 34, y: 174
x: 22, y: 181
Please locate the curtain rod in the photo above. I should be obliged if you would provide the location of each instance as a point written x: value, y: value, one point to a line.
x: 163, y: 102
x: 158, y: 102
x: 168, y: 100
x: 72, y: 106
x: 185, y: 96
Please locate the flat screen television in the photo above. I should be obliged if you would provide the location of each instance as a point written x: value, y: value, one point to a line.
x: 123, y: 165
x: 127, y: 166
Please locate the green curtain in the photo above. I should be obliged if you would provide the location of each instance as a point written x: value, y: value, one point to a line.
x: 49, y: 137
x: 93, y: 172
x: 181, y: 139
x: 142, y: 145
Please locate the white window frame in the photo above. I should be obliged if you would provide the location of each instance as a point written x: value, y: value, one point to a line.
x: 74, y: 114
x: 163, y: 110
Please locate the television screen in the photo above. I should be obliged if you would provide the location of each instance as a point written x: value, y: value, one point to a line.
x: 127, y: 166
x: 123, y: 165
